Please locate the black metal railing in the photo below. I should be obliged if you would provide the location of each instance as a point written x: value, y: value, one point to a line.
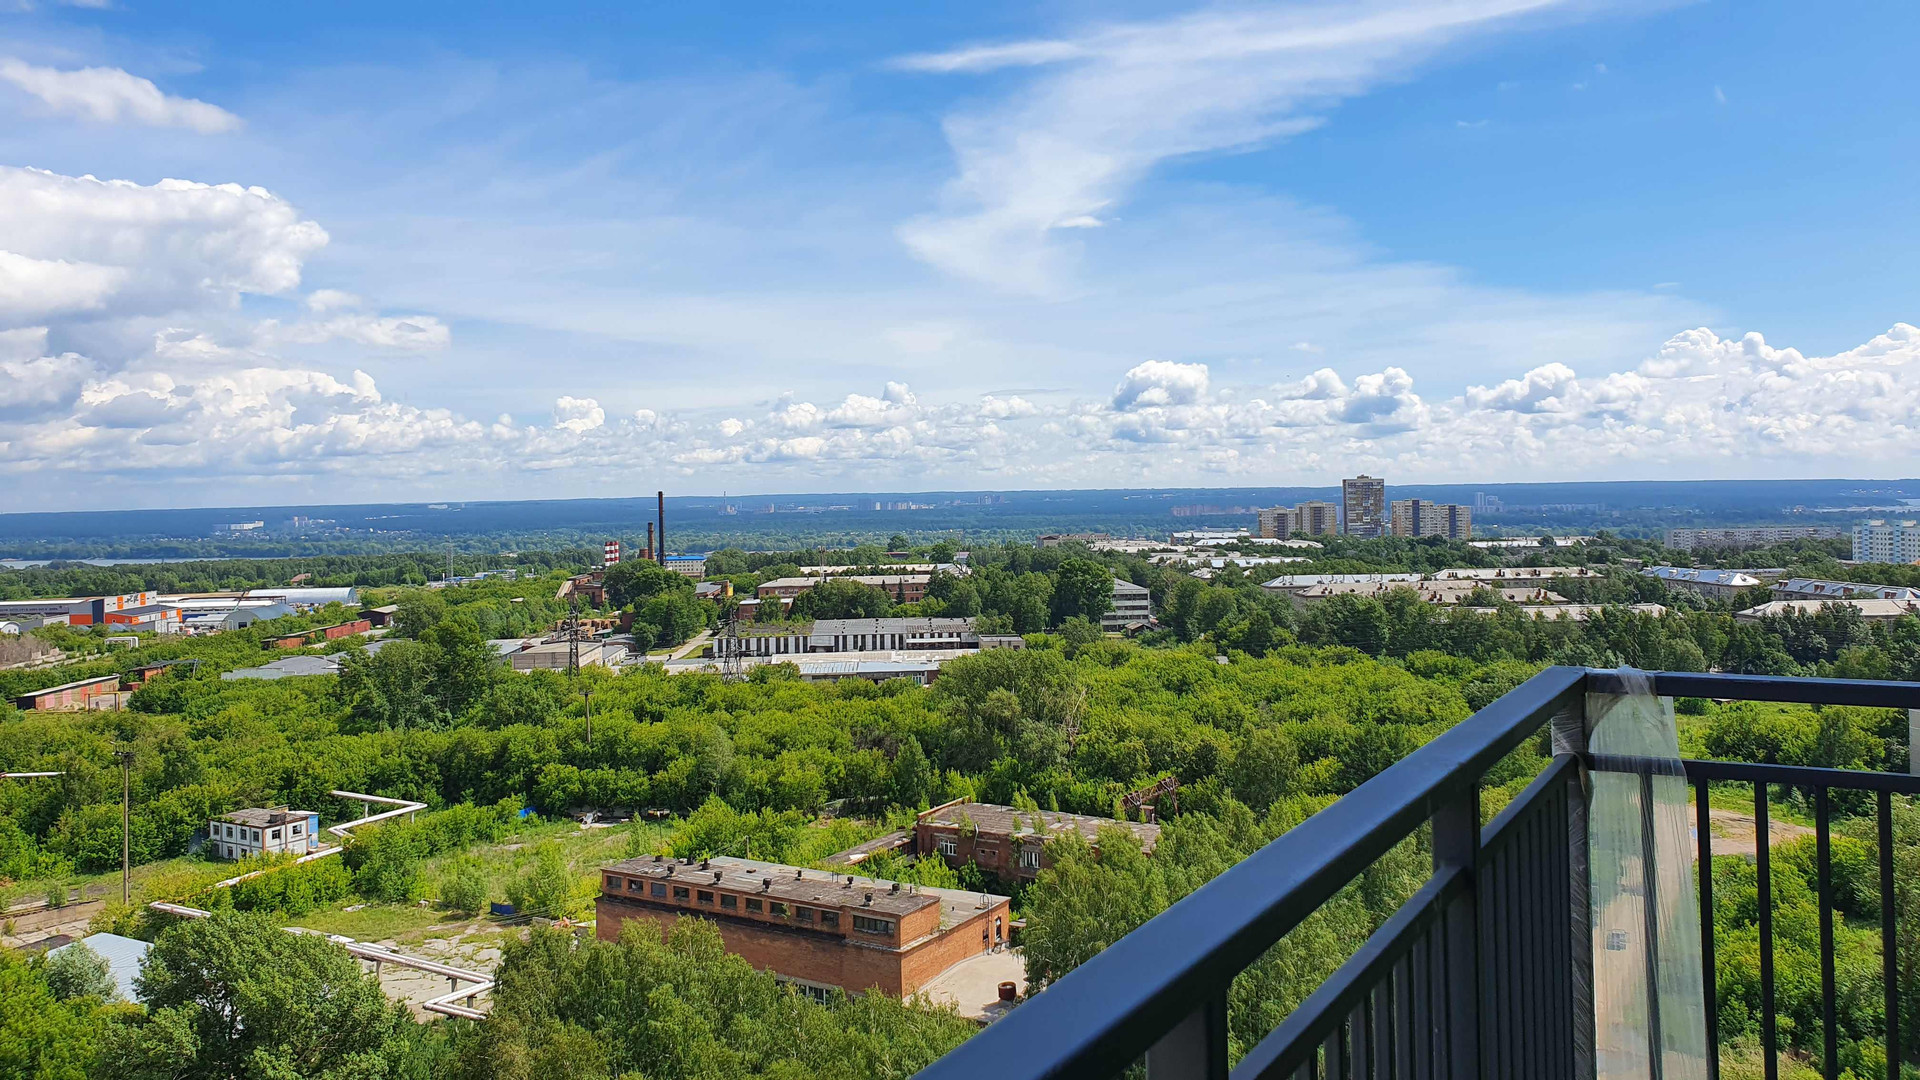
x: 1485, y: 972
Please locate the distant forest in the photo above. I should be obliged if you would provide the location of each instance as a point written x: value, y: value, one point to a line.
x: 785, y: 522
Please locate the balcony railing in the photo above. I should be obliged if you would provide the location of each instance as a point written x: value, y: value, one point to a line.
x: 1486, y: 971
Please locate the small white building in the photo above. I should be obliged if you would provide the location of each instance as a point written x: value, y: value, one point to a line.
x: 1132, y: 606
x: 274, y: 830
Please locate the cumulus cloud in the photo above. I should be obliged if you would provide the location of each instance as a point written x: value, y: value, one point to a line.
x: 41, y: 381
x: 72, y: 245
x: 1159, y: 383
x: 1105, y: 107
x: 1699, y: 405
x: 578, y: 415
x: 112, y: 96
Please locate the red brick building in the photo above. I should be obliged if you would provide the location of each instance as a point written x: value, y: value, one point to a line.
x: 318, y: 634
x: 1007, y: 841
x: 810, y: 927
x: 69, y: 696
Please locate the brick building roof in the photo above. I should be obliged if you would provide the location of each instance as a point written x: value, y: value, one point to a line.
x: 996, y: 820
x: 814, y: 888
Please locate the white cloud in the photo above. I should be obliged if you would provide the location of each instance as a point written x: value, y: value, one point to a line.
x: 1106, y: 107
x: 72, y: 245
x: 1159, y: 383
x: 112, y: 96
x: 331, y: 300
x: 578, y: 415
x: 41, y: 381
x: 1699, y: 405
x: 410, y: 333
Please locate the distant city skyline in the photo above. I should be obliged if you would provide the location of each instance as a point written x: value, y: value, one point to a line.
x: 373, y: 253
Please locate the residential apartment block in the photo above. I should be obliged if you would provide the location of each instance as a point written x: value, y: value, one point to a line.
x: 1869, y: 609
x: 1689, y: 539
x: 1886, y: 541
x: 1313, y: 518
x: 817, y: 930
x: 1006, y: 841
x: 273, y: 830
x: 1132, y: 606
x: 1363, y: 502
x: 1418, y: 517
x: 1717, y: 584
x: 1816, y: 589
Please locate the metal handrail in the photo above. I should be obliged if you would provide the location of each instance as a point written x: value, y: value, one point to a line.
x: 1104, y: 1014
x: 1163, y: 986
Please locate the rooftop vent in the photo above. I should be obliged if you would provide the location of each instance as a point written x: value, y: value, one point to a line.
x: 658, y: 858
x: 848, y: 885
x: 896, y: 888
x: 869, y: 899
x: 704, y: 865
x: 716, y: 875
x: 765, y: 884
x: 796, y: 874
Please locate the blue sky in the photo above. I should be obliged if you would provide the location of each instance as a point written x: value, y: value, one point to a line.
x: 501, y: 251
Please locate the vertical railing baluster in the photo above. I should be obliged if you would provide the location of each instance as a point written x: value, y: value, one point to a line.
x: 1456, y: 843
x: 1403, y: 1030
x: 1360, y: 1023
x: 1569, y: 734
x: 1763, y: 882
x: 1420, y: 1014
x: 1650, y: 899
x: 1336, y: 1054
x: 1196, y: 1048
x: 1889, y: 945
x: 1703, y: 830
x: 1823, y: 875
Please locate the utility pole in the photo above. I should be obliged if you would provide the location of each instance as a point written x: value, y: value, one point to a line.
x: 587, y: 696
x: 125, y: 758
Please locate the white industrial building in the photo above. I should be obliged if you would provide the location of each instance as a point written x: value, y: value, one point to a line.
x: 273, y: 830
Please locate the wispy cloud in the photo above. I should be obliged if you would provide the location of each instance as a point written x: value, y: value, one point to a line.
x: 112, y: 96
x: 1106, y: 106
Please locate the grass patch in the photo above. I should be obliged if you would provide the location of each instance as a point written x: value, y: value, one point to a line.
x: 377, y: 922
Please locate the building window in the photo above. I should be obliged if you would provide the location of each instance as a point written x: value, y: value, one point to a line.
x: 753, y: 903
x: 867, y: 925
x: 296, y: 830
x: 274, y: 835
x: 803, y: 914
x: 706, y: 897
x: 634, y: 884
x: 229, y: 832
x: 948, y: 846
x: 659, y: 888
x: 778, y: 911
x: 830, y: 920
x: 1030, y: 858
x: 681, y: 893
x: 729, y: 901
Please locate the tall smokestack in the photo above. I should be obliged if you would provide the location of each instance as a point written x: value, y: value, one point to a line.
x: 650, y: 552
x: 662, y: 496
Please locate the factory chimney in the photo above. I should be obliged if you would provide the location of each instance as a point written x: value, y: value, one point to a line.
x: 650, y: 553
x: 662, y: 496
